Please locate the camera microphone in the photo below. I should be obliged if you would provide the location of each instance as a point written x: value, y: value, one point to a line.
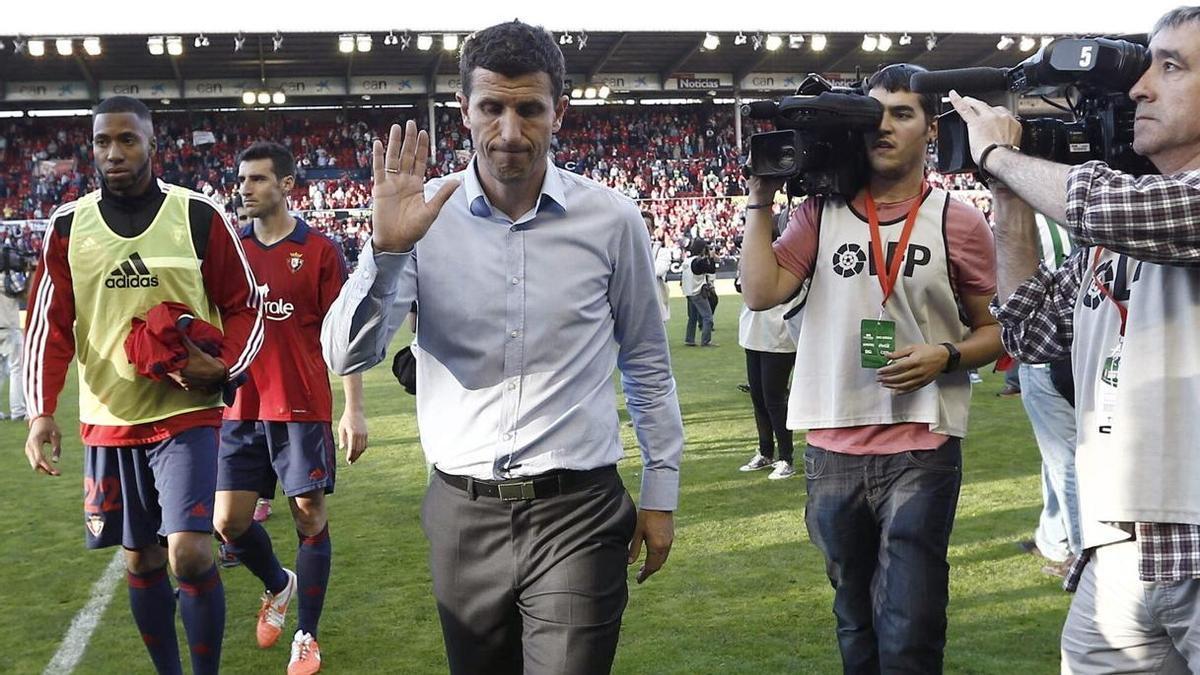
x: 760, y: 110
x: 963, y: 80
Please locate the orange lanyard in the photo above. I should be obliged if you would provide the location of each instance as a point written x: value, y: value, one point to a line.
x: 1121, y: 309
x: 889, y: 276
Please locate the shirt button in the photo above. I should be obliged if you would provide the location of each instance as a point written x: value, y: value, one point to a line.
x: 508, y: 437
x: 515, y: 333
x: 515, y: 281
x: 512, y: 385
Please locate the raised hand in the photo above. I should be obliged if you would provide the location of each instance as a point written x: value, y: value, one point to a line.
x: 401, y: 216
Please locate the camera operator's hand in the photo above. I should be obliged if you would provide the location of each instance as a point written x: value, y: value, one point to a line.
x: 986, y: 125
x: 762, y: 190
x: 913, y: 367
x: 400, y: 215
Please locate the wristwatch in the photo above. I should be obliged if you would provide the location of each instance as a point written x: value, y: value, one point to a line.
x: 955, y: 357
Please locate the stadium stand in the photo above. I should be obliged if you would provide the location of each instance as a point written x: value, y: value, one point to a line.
x: 680, y: 162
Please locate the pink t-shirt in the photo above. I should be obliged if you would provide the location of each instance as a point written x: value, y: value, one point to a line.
x: 972, y: 271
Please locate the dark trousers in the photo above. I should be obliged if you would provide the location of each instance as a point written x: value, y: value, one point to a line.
x: 769, y: 375
x: 883, y: 523
x: 535, y: 587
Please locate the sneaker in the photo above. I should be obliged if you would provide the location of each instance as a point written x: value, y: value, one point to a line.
x: 227, y: 557
x: 782, y: 470
x: 1009, y: 391
x: 1056, y: 569
x: 262, y: 510
x: 744, y: 388
x: 757, y: 462
x: 273, y: 612
x: 306, y: 655
x: 1030, y: 546
x: 976, y: 378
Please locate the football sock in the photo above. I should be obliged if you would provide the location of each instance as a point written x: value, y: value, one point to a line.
x: 254, y: 550
x: 312, y: 567
x: 202, y: 605
x: 152, y: 601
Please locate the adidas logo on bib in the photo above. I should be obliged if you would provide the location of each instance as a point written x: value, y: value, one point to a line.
x: 132, y: 273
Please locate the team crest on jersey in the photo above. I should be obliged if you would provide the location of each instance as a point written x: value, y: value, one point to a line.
x: 95, y: 524
x: 295, y: 261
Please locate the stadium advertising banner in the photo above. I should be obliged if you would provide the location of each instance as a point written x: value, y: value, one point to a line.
x: 789, y: 81
x: 452, y: 84
x: 387, y: 84
x: 699, y: 81
x: 148, y: 89
x: 309, y: 86
x: 46, y: 91
x: 218, y: 88
x: 630, y: 81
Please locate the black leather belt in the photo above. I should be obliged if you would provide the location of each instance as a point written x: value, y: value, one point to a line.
x: 523, y: 489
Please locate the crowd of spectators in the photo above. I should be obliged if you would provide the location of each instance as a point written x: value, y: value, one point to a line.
x: 681, y: 163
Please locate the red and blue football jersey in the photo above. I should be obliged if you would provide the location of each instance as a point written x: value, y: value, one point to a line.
x: 300, y: 277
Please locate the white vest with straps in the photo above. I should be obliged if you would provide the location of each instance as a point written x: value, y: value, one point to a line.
x: 1143, y: 464
x: 689, y: 280
x: 830, y: 388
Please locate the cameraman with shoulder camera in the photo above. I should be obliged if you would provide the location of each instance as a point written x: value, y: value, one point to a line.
x: 881, y: 376
x: 16, y: 265
x: 1127, y: 303
x: 698, y: 280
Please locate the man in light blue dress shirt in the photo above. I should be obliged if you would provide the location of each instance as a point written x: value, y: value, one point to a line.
x: 532, y: 283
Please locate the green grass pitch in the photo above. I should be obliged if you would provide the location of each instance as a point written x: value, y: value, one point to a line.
x: 744, y: 590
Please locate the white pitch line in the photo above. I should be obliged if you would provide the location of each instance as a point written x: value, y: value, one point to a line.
x: 76, y: 640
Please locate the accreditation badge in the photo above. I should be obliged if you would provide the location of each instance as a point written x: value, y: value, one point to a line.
x: 876, y: 338
x: 1106, y: 389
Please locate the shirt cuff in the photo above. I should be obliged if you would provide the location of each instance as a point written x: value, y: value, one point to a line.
x: 381, y: 269
x: 660, y: 490
x: 1079, y: 185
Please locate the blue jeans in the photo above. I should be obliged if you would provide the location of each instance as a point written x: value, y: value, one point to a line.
x: 699, y: 312
x: 1012, y: 377
x: 1053, y: 421
x: 883, y: 524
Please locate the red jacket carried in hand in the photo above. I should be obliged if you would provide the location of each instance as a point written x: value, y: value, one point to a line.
x: 155, y: 344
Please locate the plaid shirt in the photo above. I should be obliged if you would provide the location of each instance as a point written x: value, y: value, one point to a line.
x: 1166, y: 552
x: 1154, y: 219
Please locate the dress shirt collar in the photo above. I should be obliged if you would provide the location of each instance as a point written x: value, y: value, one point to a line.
x: 552, y: 195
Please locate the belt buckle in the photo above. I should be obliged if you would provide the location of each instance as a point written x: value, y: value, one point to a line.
x: 515, y: 492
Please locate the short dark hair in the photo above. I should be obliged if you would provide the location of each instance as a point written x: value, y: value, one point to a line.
x: 122, y: 104
x: 1175, y: 18
x: 513, y: 49
x: 896, y: 77
x: 282, y: 162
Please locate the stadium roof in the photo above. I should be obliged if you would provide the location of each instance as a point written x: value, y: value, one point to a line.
x: 310, y: 65
x: 284, y: 53
x: 78, y: 17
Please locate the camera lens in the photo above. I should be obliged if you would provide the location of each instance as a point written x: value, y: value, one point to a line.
x: 787, y: 158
